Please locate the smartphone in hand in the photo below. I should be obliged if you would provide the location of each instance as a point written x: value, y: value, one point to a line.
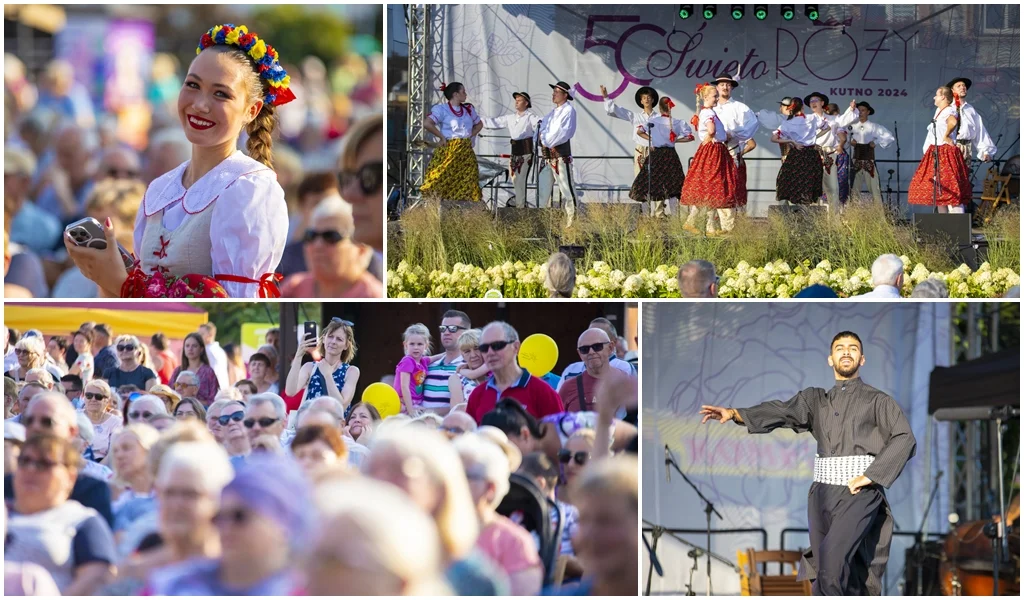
x: 88, y: 233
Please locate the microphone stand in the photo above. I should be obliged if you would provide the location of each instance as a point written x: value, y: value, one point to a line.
x: 709, y: 508
x: 935, y: 148
x: 896, y: 134
x: 650, y: 160
x: 921, y: 535
x: 538, y: 159
x: 888, y: 192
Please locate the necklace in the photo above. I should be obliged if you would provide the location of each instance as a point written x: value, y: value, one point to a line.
x: 457, y: 113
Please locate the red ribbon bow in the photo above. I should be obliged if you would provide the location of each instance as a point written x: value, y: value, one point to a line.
x: 443, y: 85
x: 669, y: 103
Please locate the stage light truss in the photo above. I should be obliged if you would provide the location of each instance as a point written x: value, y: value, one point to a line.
x: 417, y: 20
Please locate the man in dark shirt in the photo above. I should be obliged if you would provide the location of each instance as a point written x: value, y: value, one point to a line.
x: 864, y: 441
x: 106, y: 355
x: 51, y: 412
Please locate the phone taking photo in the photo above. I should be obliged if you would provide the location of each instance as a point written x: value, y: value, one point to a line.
x: 310, y: 330
x: 88, y: 233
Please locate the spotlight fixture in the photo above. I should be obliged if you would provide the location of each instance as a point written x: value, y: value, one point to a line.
x: 812, y: 12
x: 737, y: 11
x: 787, y: 12
x: 761, y: 11
x: 710, y: 10
x: 685, y: 11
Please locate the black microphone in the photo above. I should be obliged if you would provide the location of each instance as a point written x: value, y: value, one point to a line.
x: 891, y: 171
x: 668, y: 461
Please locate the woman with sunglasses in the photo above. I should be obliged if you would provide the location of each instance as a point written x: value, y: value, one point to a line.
x: 140, y: 408
x: 31, y: 354
x: 70, y: 541
x: 361, y: 177
x: 331, y: 376
x: 132, y: 486
x: 337, y: 266
x: 263, y: 518
x: 189, y: 408
x: 574, y: 458
x: 105, y: 422
x: 130, y: 371
x: 213, y: 414
x: 195, y: 360
x: 234, y: 436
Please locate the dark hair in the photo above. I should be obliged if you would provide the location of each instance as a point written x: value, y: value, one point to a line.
x: 62, y: 342
x: 450, y: 89
x: 538, y: 465
x: 831, y: 108
x: 230, y: 350
x: 317, y: 183
x: 606, y: 323
x: 260, y: 357
x: 451, y: 314
x: 247, y: 382
x: 843, y: 334
x: 374, y: 413
x: 55, y: 447
x: 330, y: 436
x: 196, y: 405
x: 510, y: 417
x: 158, y: 341
x: 86, y: 333
x: 795, y: 105
x: 273, y: 331
x: 12, y: 336
x: 202, y: 345
x: 75, y: 380
x: 103, y: 329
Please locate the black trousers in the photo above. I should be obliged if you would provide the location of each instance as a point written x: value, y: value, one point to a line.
x: 844, y: 531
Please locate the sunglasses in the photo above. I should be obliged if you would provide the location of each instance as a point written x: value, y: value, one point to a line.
x: 342, y: 321
x: 369, y: 176
x: 44, y: 422
x: 592, y: 348
x: 22, y: 351
x: 125, y: 347
x: 581, y: 458
x: 237, y: 516
x: 136, y: 415
x: 329, y: 237
x: 92, y: 396
x: 36, y: 464
x: 263, y: 421
x: 450, y: 328
x: 182, y: 385
x: 235, y: 416
x: 496, y: 346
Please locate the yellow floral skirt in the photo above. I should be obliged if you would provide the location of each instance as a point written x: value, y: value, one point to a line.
x: 453, y: 173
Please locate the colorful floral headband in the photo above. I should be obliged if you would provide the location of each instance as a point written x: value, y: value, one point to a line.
x: 262, y: 53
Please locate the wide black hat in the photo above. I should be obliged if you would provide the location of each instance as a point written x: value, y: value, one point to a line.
x: 967, y: 82
x: 725, y: 79
x: 562, y: 86
x: 807, y: 99
x: 529, y: 104
x: 871, y: 111
x: 646, y: 90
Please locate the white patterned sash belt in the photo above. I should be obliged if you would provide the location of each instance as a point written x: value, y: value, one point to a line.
x: 839, y: 470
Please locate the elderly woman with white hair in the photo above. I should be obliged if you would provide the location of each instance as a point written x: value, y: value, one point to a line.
x: 83, y: 443
x: 426, y: 466
x: 507, y: 544
x: 31, y: 354
x: 104, y: 422
x: 886, y: 277
x: 338, y: 266
x: 143, y: 408
x: 132, y: 486
x: 130, y: 371
x: 372, y: 542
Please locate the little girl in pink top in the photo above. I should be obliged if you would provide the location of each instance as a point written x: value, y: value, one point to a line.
x: 411, y: 372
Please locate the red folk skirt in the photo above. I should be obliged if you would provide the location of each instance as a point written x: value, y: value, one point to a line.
x: 741, y: 176
x: 954, y: 179
x: 713, y: 181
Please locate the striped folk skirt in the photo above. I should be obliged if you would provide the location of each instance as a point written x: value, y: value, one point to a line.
x: 453, y: 173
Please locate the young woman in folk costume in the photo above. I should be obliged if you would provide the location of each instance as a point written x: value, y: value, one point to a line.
x: 215, y: 226
x: 453, y: 173
x: 954, y: 185
x: 800, y: 178
x: 713, y: 181
x: 666, y: 177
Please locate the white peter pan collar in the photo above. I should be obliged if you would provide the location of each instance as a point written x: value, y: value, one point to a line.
x: 167, y: 189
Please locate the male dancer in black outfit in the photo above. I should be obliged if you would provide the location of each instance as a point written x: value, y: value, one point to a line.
x: 864, y: 441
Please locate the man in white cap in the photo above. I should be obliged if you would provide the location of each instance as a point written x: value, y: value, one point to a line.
x: 522, y: 127
x: 556, y: 130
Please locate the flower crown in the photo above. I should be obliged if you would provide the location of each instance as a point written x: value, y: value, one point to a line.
x: 262, y: 53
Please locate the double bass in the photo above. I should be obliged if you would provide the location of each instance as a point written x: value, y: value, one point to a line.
x: 966, y: 567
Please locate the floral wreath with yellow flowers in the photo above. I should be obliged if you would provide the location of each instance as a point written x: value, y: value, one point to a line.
x: 262, y: 53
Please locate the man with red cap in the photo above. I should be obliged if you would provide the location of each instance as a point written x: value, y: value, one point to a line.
x: 522, y: 126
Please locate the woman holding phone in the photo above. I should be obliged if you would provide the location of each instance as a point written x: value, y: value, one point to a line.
x: 331, y: 376
x: 216, y: 225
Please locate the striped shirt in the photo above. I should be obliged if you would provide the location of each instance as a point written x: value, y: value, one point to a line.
x: 435, y: 389
x: 851, y: 419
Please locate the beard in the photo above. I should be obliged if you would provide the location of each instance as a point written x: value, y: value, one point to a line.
x: 848, y: 371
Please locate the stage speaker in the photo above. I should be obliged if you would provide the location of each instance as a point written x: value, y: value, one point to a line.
x: 952, y: 231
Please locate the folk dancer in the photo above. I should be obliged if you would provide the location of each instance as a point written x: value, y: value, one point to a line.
x: 666, y: 176
x: 740, y: 126
x: 954, y: 191
x: 865, y: 135
x: 713, y: 181
x: 827, y: 142
x: 556, y: 130
x: 646, y: 98
x: 453, y: 173
x: 522, y: 126
x: 842, y: 157
x: 799, y: 180
x: 972, y: 133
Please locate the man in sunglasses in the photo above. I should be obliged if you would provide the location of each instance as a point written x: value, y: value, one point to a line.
x: 266, y: 414
x: 50, y: 412
x: 499, y: 344
x: 596, y: 350
x: 437, y: 396
x: 579, y: 367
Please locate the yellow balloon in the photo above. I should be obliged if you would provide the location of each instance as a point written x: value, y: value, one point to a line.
x: 383, y: 397
x: 538, y: 354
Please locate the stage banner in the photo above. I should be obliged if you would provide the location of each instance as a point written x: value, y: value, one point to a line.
x: 892, y: 56
x: 738, y: 355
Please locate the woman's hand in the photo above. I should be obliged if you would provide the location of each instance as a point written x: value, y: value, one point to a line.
x: 326, y: 370
x: 307, y: 346
x: 604, y: 92
x: 104, y: 267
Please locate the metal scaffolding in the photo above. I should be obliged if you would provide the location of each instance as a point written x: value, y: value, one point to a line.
x: 425, y: 23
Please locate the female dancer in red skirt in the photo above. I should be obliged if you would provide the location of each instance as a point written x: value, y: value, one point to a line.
x: 666, y: 172
x: 954, y: 190
x: 799, y: 179
x: 713, y: 181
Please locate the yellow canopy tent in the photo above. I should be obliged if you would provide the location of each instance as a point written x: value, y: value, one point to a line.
x: 173, y: 319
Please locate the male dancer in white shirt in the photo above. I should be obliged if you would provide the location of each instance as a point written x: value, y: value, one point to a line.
x: 972, y: 132
x: 827, y: 141
x: 740, y: 126
x: 556, y: 129
x: 865, y: 135
x: 522, y: 127
x: 647, y: 99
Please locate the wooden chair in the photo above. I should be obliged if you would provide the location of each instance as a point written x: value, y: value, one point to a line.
x: 775, y: 585
x: 995, y: 191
